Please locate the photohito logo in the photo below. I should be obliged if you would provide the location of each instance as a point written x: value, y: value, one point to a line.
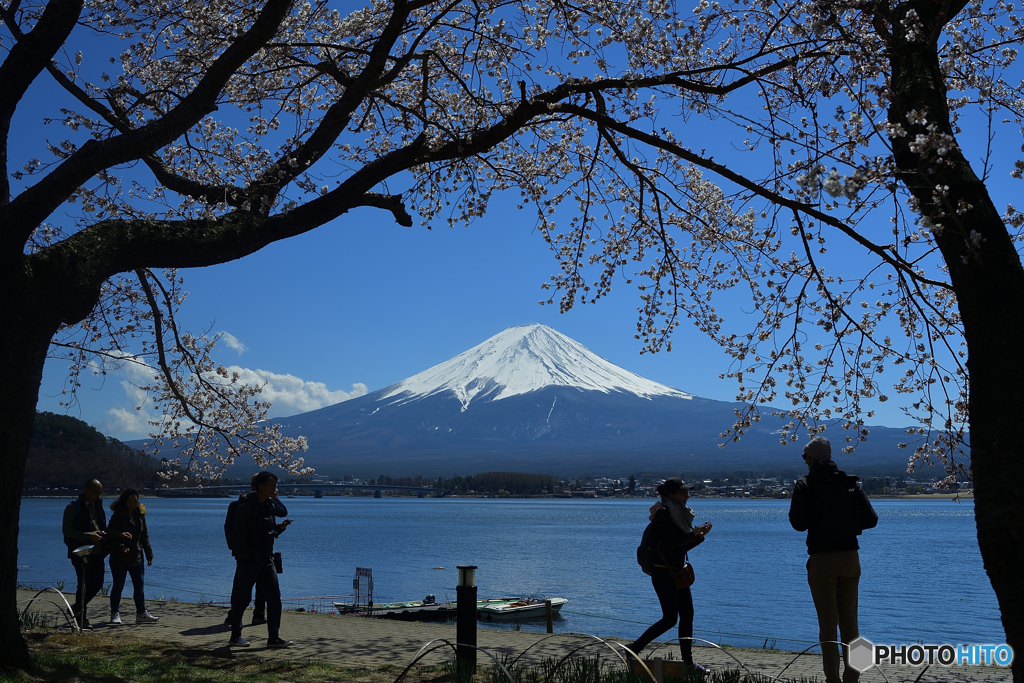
x: 864, y: 654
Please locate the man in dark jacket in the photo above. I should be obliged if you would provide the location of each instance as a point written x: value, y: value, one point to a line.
x: 85, y: 523
x: 833, y: 509
x: 255, y: 528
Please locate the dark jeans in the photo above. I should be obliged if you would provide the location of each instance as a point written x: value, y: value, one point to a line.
x: 676, y: 604
x: 259, y: 609
x: 247, y: 574
x: 120, y: 573
x: 90, y: 581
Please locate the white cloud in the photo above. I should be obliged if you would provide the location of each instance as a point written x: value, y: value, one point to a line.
x: 126, y: 422
x: 129, y: 422
x: 233, y: 342
x: 290, y: 394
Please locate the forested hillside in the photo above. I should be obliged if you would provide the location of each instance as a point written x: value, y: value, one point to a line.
x: 66, y: 452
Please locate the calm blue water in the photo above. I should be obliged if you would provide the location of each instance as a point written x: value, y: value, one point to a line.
x: 923, y: 577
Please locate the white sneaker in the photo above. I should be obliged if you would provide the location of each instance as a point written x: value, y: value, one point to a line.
x: 115, y: 618
x: 145, y: 618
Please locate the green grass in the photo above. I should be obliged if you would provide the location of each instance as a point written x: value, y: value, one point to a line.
x: 31, y: 619
x: 589, y: 670
x: 60, y: 656
x: 65, y: 657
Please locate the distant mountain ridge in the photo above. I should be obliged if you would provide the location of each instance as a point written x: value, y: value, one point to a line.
x: 532, y: 399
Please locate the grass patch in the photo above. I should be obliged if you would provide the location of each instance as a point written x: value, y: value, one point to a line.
x: 31, y: 619
x: 106, y: 658
x: 587, y: 670
x: 117, y: 659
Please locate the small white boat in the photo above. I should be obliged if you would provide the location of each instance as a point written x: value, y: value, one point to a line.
x: 524, y: 608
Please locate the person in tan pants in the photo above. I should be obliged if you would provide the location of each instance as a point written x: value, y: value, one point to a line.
x: 832, y: 508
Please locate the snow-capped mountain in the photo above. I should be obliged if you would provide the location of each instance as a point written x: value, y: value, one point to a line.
x: 521, y: 360
x: 530, y: 399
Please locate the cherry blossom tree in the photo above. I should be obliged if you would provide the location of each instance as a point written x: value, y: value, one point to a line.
x: 804, y: 158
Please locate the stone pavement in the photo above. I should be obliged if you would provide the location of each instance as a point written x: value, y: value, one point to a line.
x: 369, y: 643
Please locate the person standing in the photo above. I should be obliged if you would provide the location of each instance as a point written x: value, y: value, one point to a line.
x: 673, y: 536
x: 833, y: 509
x: 259, y: 610
x: 85, y: 523
x: 254, y: 527
x: 130, y: 540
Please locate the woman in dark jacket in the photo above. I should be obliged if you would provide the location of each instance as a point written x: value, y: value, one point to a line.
x: 674, y: 535
x: 129, y: 538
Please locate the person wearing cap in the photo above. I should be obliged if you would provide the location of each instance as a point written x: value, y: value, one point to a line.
x: 675, y: 534
x: 833, y: 509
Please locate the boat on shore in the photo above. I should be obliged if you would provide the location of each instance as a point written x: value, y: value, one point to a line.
x: 522, y: 609
x: 487, y: 609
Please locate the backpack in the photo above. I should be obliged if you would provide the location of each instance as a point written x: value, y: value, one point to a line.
x: 647, y: 551
x: 234, y: 542
x: 839, y: 506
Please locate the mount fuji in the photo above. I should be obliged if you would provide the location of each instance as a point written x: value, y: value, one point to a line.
x: 530, y: 399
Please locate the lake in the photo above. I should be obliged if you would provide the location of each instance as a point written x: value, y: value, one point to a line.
x: 923, y: 578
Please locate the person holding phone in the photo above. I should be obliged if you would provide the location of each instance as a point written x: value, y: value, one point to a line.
x: 674, y: 535
x: 256, y: 528
x: 259, y: 611
x: 129, y: 542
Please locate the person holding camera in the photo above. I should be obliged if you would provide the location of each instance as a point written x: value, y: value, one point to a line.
x: 85, y: 523
x: 253, y: 525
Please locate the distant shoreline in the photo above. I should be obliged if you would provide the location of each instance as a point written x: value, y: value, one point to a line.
x: 965, y: 494
x: 874, y: 496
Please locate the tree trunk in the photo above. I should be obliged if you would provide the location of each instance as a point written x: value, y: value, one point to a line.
x: 22, y: 355
x: 988, y: 279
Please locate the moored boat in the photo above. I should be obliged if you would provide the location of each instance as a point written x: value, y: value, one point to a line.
x: 520, y: 610
x: 417, y: 610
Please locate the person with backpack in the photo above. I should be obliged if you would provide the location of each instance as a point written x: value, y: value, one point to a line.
x: 128, y: 543
x: 663, y: 555
x: 250, y: 530
x: 85, y: 523
x: 833, y: 509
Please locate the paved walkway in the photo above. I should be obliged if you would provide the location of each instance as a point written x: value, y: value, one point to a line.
x: 368, y: 643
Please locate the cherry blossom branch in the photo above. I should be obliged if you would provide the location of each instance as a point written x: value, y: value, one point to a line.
x: 660, y: 143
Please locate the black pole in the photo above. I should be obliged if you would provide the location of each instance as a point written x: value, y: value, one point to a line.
x: 465, y: 621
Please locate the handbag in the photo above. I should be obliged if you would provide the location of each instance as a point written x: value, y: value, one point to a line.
x: 684, y: 576
x: 277, y: 563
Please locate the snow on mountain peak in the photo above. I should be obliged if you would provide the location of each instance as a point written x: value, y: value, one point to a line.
x: 523, y: 359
